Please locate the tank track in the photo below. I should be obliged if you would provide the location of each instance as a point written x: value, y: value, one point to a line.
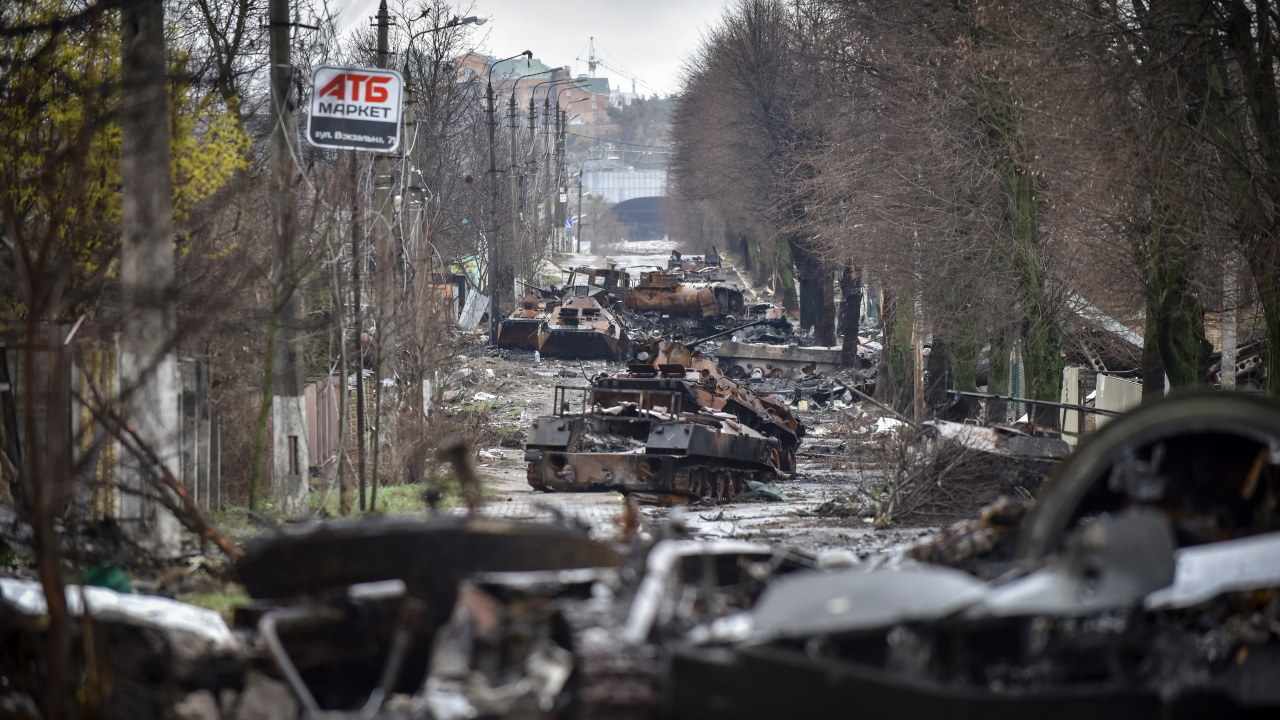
x: 702, y: 481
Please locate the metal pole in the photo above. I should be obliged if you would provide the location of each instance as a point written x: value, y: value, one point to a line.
x: 581, y: 169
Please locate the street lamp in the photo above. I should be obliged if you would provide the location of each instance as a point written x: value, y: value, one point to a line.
x: 455, y: 22
x: 494, y: 319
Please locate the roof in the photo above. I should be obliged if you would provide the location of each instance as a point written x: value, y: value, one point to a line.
x: 596, y: 86
x: 519, y: 67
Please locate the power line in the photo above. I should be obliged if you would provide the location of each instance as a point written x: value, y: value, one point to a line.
x: 666, y: 148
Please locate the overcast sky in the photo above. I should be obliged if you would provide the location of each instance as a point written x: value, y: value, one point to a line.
x: 649, y: 38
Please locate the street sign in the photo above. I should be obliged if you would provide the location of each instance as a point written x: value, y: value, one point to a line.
x: 355, y: 109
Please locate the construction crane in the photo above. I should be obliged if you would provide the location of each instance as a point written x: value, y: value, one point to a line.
x: 592, y: 61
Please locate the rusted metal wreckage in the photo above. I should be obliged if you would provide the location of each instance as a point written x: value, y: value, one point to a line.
x: 577, y: 322
x: 676, y: 298
x: 672, y: 426
x: 1144, y: 582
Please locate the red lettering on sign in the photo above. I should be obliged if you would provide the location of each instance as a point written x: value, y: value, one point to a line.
x: 355, y: 81
x: 336, y: 87
x: 374, y: 90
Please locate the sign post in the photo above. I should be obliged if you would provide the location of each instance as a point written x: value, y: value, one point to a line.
x: 355, y: 109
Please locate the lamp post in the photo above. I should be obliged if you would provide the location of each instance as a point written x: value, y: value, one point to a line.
x: 492, y: 241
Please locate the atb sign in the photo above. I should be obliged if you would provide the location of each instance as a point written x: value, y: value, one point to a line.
x: 355, y: 109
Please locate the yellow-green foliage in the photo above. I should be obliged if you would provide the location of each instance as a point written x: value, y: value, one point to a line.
x: 59, y: 167
x: 208, y: 149
x: 60, y: 144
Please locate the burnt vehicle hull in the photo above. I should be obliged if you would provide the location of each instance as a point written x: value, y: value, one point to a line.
x: 582, y: 344
x: 584, y: 329
x: 670, y: 294
x: 642, y: 454
x: 522, y: 333
x: 526, y: 327
x: 675, y: 427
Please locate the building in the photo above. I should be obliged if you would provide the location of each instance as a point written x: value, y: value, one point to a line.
x: 586, y: 100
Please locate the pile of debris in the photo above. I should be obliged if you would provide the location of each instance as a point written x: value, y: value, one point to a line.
x: 1144, y: 581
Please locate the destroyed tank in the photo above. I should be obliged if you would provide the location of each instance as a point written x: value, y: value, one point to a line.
x: 526, y: 327
x: 674, y: 294
x: 574, y: 323
x: 674, y: 427
x: 583, y: 328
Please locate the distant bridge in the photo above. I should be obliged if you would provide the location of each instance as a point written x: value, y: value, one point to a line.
x: 617, y: 186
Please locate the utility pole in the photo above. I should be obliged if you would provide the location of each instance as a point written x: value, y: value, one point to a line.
x: 546, y: 162
x: 385, y: 268
x: 492, y: 240
x: 147, y: 263
x: 561, y: 235
x: 290, y: 479
x: 517, y: 253
x: 357, y: 258
x: 581, y: 169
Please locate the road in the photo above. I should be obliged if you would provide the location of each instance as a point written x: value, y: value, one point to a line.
x: 828, y: 465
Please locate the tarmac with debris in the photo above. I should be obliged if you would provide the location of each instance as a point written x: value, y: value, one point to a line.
x: 518, y: 388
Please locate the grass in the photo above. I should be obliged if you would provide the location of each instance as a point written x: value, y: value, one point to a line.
x: 392, y: 500
x: 224, y: 601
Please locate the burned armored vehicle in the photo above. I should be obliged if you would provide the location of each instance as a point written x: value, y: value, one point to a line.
x: 575, y: 322
x: 685, y: 302
x: 582, y: 328
x: 526, y: 327
x: 672, y: 426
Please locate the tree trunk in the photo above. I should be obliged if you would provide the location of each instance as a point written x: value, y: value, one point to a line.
x: 1042, y: 337
x: 817, y: 301
x: 998, y: 377
x: 786, y: 280
x: 1152, y: 364
x: 850, y: 313
x: 1268, y: 281
x: 894, y: 384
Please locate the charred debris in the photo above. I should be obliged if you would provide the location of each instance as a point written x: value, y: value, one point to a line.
x: 1143, y: 581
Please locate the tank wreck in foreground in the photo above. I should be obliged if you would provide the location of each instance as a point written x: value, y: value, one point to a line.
x: 674, y: 426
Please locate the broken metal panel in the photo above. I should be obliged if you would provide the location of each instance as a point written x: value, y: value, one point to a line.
x: 1207, y: 571
x: 1116, y: 394
x: 819, y: 603
x: 1112, y: 564
x: 779, y: 361
x: 476, y: 305
x: 429, y: 554
x: 1000, y: 440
